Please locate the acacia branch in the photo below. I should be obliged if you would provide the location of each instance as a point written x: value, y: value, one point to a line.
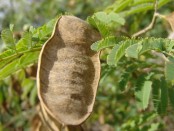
x: 151, y: 25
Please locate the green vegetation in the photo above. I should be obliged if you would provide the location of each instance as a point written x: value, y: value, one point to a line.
x: 136, y: 89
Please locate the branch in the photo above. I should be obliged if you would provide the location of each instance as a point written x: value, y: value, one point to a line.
x: 151, y: 25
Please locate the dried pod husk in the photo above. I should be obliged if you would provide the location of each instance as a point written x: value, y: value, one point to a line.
x: 69, y: 71
x: 49, y: 123
x: 170, y: 19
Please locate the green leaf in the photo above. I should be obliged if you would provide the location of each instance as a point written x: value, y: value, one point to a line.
x: 160, y: 95
x: 137, y: 9
x: 45, y: 30
x: 133, y: 50
x: 33, y: 96
x: 138, y: 2
x: 106, y: 42
x: 18, y: 64
x: 7, y: 56
x: 142, y: 6
x: 152, y: 44
x: 106, y: 70
x: 104, y: 22
x: 163, y: 2
x: 168, y: 44
x: 118, y: 52
x: 136, y: 123
x: 131, y: 47
x: 154, y: 127
x: 169, y: 69
x: 7, y: 37
x: 25, y: 41
x: 27, y: 85
x: 147, y: 44
x: 102, y: 16
x: 126, y: 76
x: 11, y: 27
x: 143, y: 95
x: 119, y: 5
x: 6, y: 53
x: 102, y: 27
x: 108, y: 18
x: 121, y: 50
x: 143, y: 45
x: 116, y: 18
x: 156, y: 93
x: 9, y: 69
x: 164, y: 97
x: 91, y: 21
x: 124, y: 80
x: 111, y: 56
x: 28, y: 58
x: 5, y: 62
x: 10, y: 61
x: 171, y: 96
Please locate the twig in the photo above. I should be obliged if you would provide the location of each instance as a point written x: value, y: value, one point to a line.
x: 151, y: 25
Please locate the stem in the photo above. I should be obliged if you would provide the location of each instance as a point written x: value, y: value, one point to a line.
x: 151, y: 25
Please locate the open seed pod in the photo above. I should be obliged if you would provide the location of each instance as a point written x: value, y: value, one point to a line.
x: 170, y: 19
x: 69, y: 71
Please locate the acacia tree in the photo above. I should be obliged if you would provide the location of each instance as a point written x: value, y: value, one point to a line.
x: 136, y: 83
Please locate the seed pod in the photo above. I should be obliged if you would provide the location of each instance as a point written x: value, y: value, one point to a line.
x: 69, y: 71
x: 170, y: 19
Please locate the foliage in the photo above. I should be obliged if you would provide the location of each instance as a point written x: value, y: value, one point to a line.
x: 134, y: 70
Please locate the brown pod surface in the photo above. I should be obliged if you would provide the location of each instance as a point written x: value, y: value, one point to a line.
x: 170, y: 19
x: 69, y: 71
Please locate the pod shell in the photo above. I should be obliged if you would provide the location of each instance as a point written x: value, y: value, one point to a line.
x: 69, y: 71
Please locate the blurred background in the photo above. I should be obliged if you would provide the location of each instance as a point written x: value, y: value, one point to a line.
x: 113, y: 110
